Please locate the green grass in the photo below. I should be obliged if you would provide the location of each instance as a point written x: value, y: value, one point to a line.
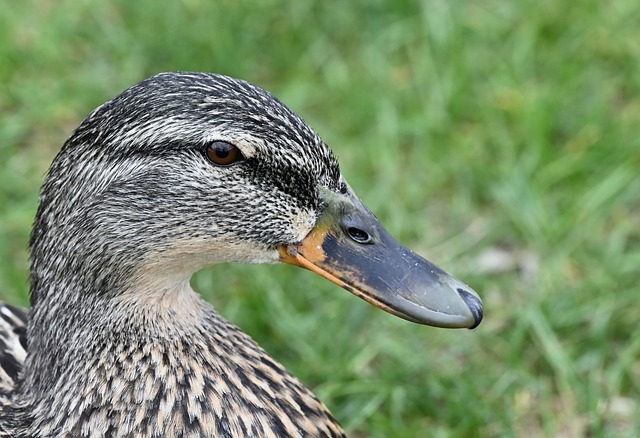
x: 467, y: 126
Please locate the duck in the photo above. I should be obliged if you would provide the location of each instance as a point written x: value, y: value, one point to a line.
x: 181, y: 171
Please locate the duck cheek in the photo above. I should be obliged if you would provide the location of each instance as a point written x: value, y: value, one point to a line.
x: 302, y: 222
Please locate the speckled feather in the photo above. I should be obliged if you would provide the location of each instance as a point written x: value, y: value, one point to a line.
x: 118, y: 344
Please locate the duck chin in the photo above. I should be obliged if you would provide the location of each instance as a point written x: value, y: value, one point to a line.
x: 185, y: 256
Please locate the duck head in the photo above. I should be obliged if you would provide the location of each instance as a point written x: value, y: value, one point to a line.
x: 189, y: 169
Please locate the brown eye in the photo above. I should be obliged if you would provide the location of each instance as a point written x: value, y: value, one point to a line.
x: 223, y: 153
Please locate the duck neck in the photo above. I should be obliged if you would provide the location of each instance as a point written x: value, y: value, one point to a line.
x: 70, y: 324
x: 156, y: 362
x: 80, y: 341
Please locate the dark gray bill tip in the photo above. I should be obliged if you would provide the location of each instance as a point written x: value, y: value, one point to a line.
x: 474, y: 304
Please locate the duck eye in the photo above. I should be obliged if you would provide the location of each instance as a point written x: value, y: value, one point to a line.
x: 223, y: 153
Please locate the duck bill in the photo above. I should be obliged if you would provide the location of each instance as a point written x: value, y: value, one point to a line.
x: 349, y: 247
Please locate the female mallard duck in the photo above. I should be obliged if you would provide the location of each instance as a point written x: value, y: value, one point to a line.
x: 178, y: 172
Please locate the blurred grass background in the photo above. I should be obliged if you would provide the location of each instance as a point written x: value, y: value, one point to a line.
x: 499, y: 139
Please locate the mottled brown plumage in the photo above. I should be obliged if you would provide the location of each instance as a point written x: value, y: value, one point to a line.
x: 116, y: 342
x: 206, y: 378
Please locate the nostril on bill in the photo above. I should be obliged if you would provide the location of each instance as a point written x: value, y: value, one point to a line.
x: 358, y: 235
x: 474, y: 304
